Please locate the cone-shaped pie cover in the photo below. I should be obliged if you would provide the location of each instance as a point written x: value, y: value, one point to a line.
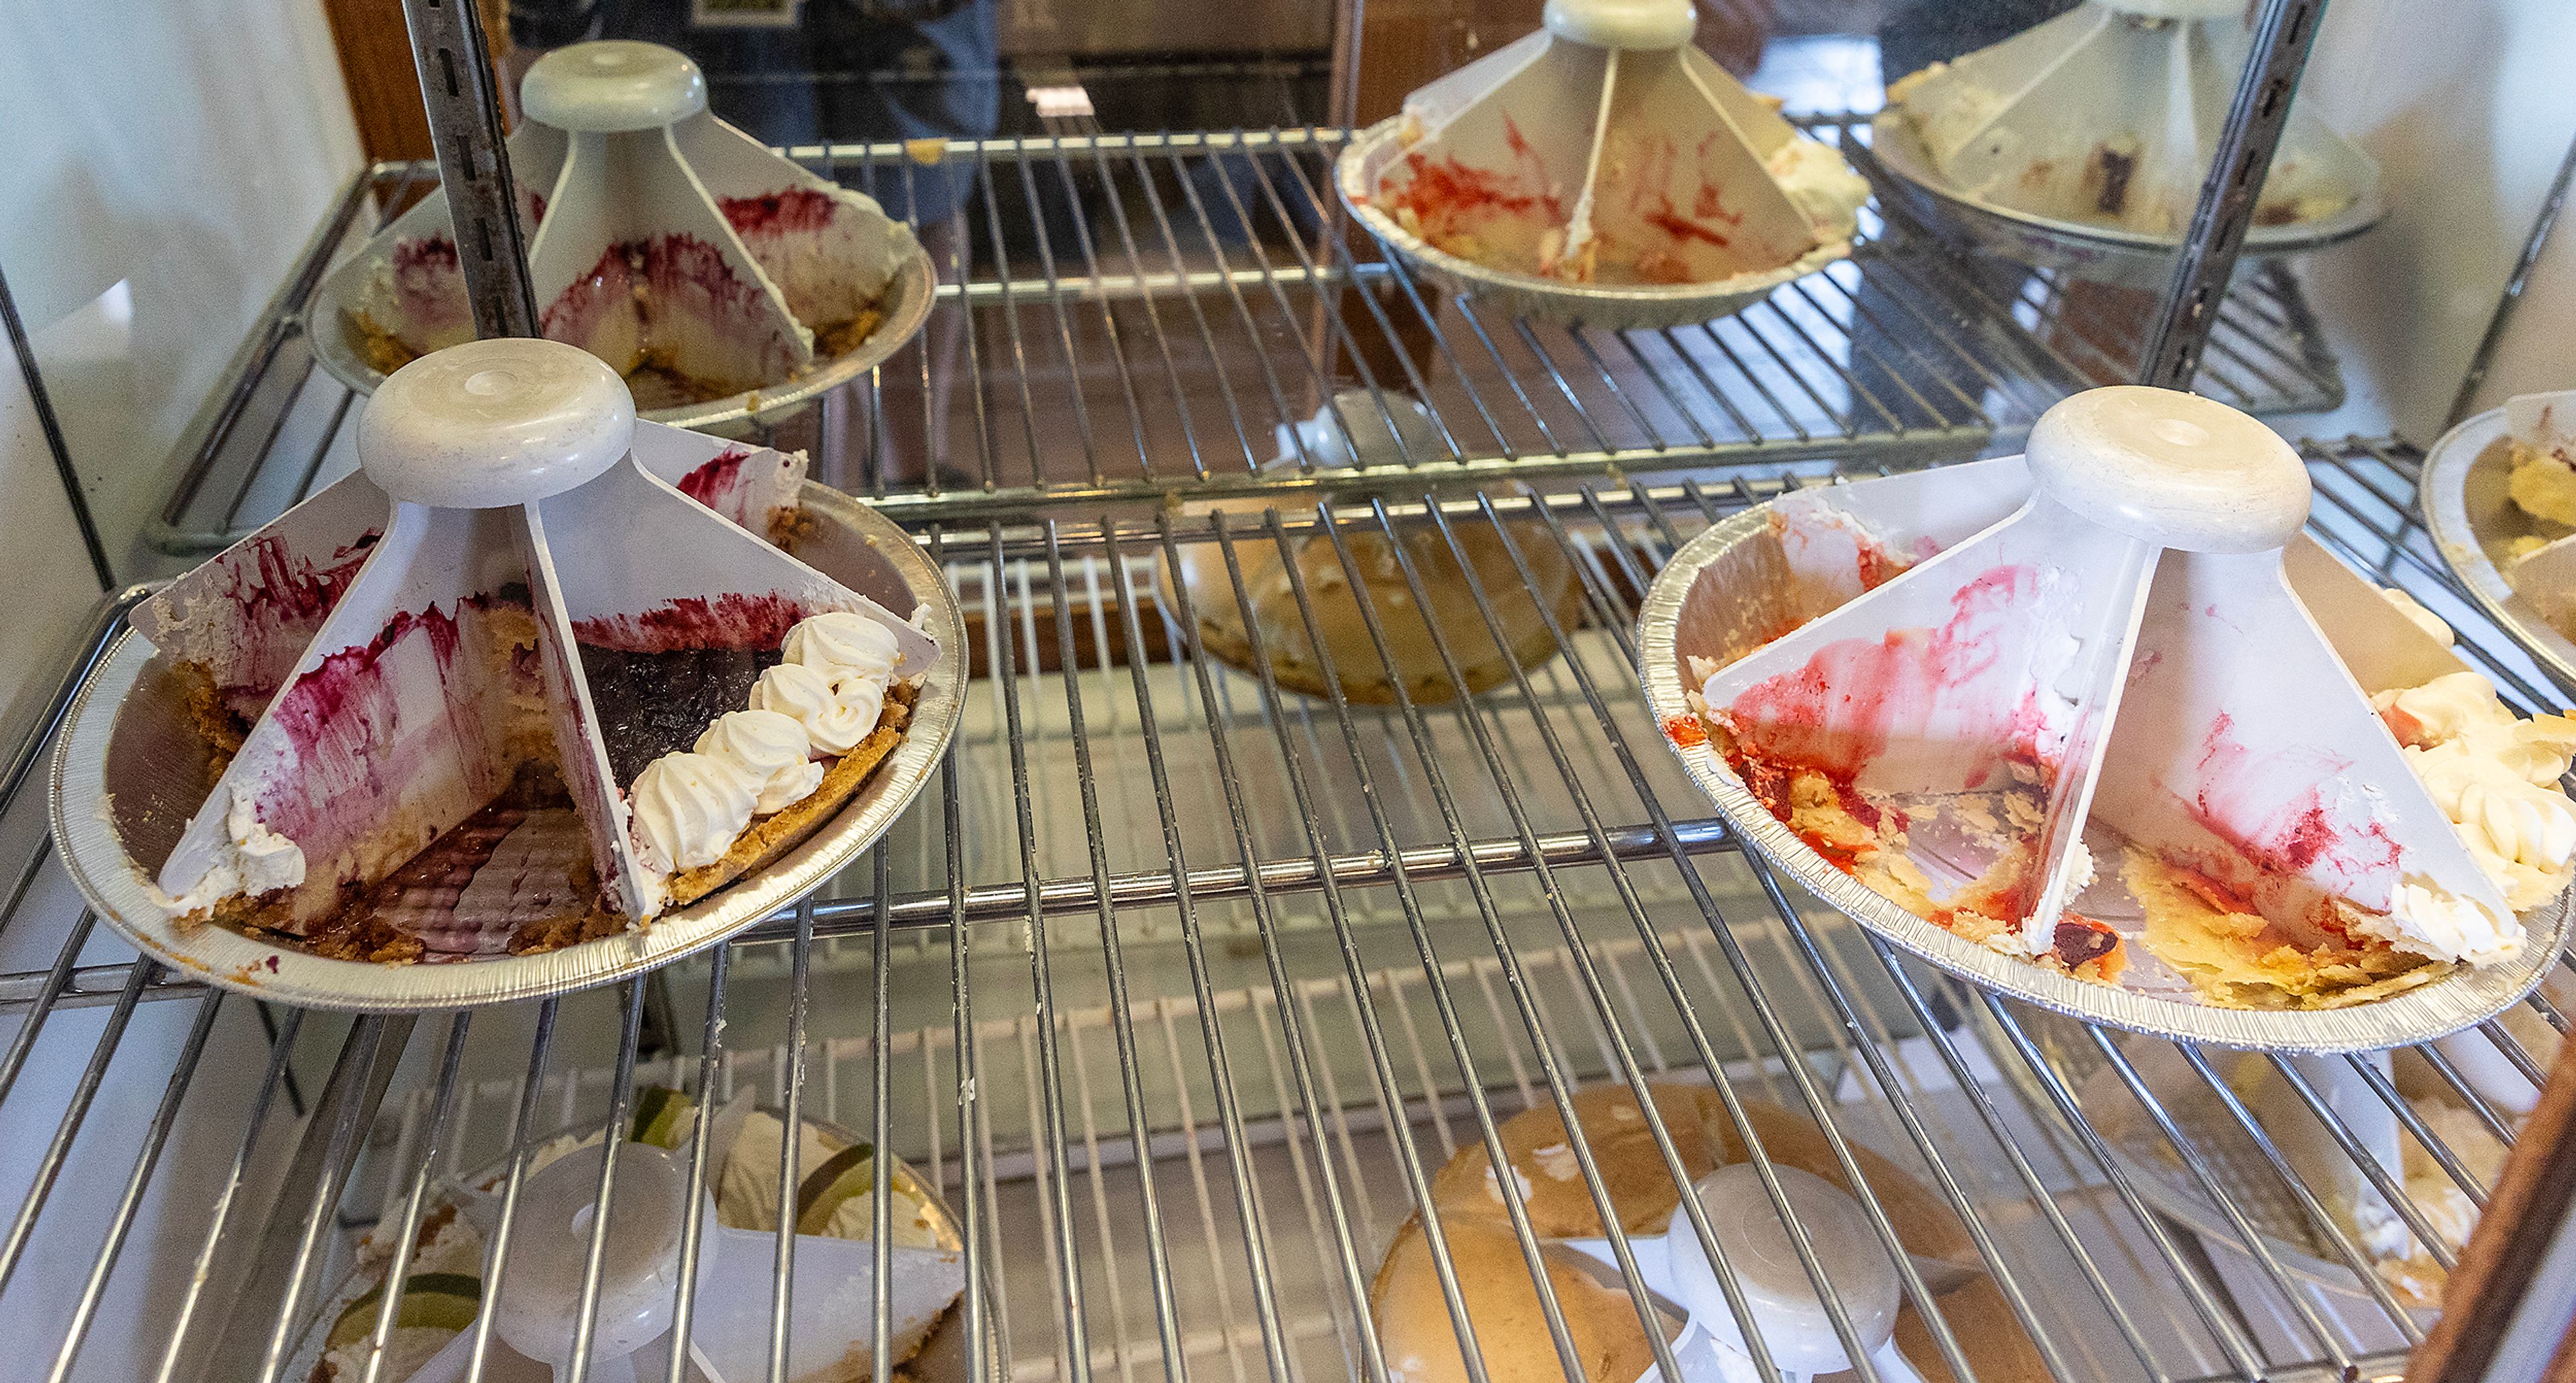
x: 669, y: 244
x: 1604, y: 150
x: 2110, y: 114
x: 463, y: 685
x: 536, y: 1313
x: 2107, y: 714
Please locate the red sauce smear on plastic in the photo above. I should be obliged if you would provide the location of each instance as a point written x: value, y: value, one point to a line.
x: 710, y: 482
x: 727, y: 621
x: 777, y: 213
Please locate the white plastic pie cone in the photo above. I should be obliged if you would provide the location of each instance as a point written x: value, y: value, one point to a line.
x: 1605, y: 147
x: 626, y: 181
x: 1791, y: 1316
x: 507, y: 498
x: 537, y: 1312
x: 2112, y: 112
x: 2127, y: 641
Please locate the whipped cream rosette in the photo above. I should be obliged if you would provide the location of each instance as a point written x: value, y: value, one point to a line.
x: 1605, y: 171
x: 698, y: 264
x: 494, y: 695
x: 2099, y: 727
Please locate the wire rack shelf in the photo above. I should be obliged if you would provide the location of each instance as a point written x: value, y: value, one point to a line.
x: 1196, y: 981
x: 1124, y: 317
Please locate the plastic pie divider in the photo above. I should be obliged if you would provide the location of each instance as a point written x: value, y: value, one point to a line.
x: 2084, y: 630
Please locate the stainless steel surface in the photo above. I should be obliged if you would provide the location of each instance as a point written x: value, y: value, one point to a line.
x: 1181, y: 1093
x: 2238, y: 167
x: 2474, y: 523
x: 122, y: 777
x: 1120, y: 317
x: 463, y: 98
x: 1896, y: 163
x: 1731, y: 581
x: 1363, y: 162
x: 2543, y: 223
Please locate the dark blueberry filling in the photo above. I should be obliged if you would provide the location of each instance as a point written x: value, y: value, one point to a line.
x: 651, y: 704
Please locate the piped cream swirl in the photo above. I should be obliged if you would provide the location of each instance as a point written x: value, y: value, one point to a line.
x: 832, y: 724
x: 839, y: 641
x: 824, y: 700
x: 770, y: 749
x: 688, y: 810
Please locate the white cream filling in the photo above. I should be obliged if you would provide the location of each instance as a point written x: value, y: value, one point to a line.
x: 768, y: 748
x: 252, y: 860
x: 688, y: 810
x: 1818, y: 183
x: 809, y: 698
x: 2496, y: 777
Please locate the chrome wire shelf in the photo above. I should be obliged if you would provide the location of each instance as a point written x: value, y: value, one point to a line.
x: 1126, y: 316
x: 1197, y: 981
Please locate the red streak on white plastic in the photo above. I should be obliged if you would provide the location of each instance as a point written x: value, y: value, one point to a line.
x: 778, y: 213
x: 714, y: 483
x: 577, y: 312
x: 365, y: 721
x: 1948, y: 689
x: 2275, y: 808
x: 728, y: 621
x: 282, y: 600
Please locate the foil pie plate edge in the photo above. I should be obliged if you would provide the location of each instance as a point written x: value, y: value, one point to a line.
x: 1670, y: 626
x: 874, y: 557
x: 2462, y: 492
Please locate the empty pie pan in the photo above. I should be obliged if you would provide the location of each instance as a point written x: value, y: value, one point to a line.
x: 130, y: 770
x: 1727, y: 591
x: 1901, y: 169
x: 1363, y: 162
x: 2474, y: 522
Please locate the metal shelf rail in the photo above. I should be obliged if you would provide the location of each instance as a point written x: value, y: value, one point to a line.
x: 1125, y: 316
x: 1203, y: 981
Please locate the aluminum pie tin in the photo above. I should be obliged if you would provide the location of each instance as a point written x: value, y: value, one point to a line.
x: 1365, y: 157
x: 1726, y: 592
x: 128, y: 774
x: 1896, y: 164
x: 2474, y: 522
x: 906, y: 304
x: 941, y: 1358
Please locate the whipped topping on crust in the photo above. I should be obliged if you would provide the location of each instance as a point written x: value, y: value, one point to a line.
x: 769, y: 749
x: 1817, y: 182
x: 831, y: 721
x: 251, y: 861
x: 2496, y: 777
x: 688, y: 809
x: 840, y: 641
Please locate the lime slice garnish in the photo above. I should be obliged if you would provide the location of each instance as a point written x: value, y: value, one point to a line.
x: 662, y: 1116
x: 443, y: 1301
x: 844, y: 1174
